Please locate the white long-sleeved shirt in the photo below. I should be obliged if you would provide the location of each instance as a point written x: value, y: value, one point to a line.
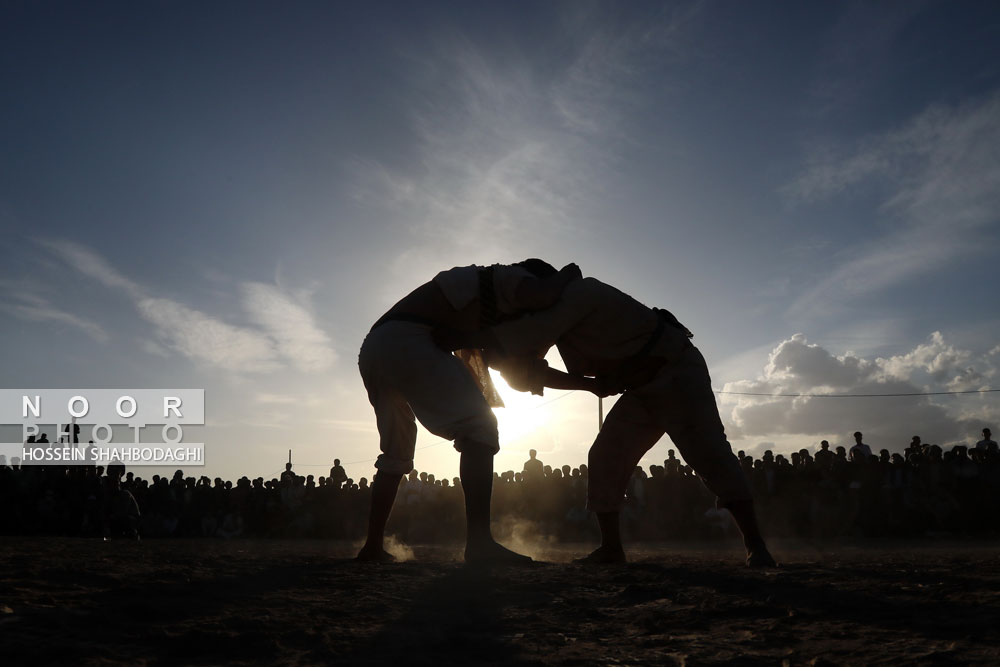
x: 595, y: 326
x: 461, y: 286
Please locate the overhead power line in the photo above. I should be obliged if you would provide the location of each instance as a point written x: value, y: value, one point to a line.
x: 438, y: 443
x: 442, y: 441
x: 915, y: 393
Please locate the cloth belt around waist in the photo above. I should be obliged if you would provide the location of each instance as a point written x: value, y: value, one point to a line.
x: 640, y: 368
x: 664, y: 317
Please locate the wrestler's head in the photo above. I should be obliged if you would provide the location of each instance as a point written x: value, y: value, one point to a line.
x: 538, y: 268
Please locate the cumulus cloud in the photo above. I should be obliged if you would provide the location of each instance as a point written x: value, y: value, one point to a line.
x: 942, y: 361
x: 796, y: 366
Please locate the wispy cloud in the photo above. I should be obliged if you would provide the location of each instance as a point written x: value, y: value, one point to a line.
x: 203, y: 338
x: 34, y: 308
x: 512, y: 150
x: 286, y: 329
x: 857, y: 56
x: 91, y: 265
x: 291, y: 325
x: 359, y: 425
x: 939, y: 177
x: 607, y: 78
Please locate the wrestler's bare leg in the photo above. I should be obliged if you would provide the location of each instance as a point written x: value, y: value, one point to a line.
x: 691, y: 419
x: 611, y: 549
x: 384, y: 489
x: 628, y: 432
x: 746, y: 518
x: 476, y: 470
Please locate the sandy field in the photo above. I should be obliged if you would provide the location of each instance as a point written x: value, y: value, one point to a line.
x: 80, y: 601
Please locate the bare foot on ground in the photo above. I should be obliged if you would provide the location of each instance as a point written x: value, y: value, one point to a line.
x: 493, y: 553
x: 603, y: 555
x: 375, y: 555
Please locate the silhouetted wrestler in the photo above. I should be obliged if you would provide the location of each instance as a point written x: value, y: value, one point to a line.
x: 603, y: 333
x: 407, y: 376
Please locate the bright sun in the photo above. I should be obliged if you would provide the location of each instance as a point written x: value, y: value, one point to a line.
x: 521, y: 415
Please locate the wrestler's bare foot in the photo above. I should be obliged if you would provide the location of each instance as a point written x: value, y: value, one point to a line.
x: 759, y: 556
x: 493, y: 553
x: 603, y: 555
x: 374, y: 555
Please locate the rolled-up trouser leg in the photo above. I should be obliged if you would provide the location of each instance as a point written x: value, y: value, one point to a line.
x: 690, y: 416
x: 629, y: 432
x: 408, y: 377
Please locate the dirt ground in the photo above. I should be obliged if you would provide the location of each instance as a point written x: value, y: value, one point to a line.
x: 79, y: 601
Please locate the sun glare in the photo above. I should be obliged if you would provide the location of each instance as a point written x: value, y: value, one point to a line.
x: 521, y: 414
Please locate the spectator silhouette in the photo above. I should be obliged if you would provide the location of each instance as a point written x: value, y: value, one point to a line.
x: 121, y: 511
x: 987, y: 442
x: 533, y: 467
x: 824, y: 457
x: 860, y: 447
x: 337, y: 475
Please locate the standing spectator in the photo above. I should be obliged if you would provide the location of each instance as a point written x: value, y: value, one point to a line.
x: 120, y: 512
x: 337, y: 474
x: 987, y: 442
x: 672, y: 465
x: 824, y: 457
x: 860, y: 447
x: 533, y: 468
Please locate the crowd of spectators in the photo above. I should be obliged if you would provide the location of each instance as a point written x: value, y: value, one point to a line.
x: 924, y: 490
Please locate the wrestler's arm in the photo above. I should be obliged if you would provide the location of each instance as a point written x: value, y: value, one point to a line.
x: 534, y: 373
x: 557, y: 379
x: 540, y: 293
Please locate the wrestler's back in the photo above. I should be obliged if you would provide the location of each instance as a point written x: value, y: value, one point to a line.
x: 430, y: 303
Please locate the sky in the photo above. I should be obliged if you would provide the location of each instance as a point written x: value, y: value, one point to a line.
x: 226, y: 195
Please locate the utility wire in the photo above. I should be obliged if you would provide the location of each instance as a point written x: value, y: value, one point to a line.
x: 916, y: 393
x: 444, y: 441
x: 440, y: 442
